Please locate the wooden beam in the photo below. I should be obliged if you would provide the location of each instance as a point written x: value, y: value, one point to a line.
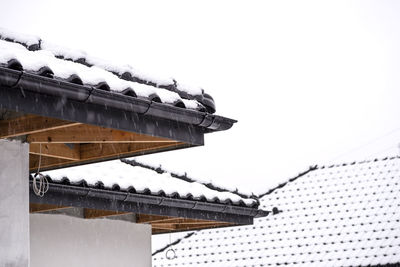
x: 92, y: 134
x: 98, y: 152
x: 31, y: 124
x: 155, y: 231
x: 92, y: 213
x: 164, y: 227
x: 60, y: 151
x: 146, y: 218
x: 158, y: 228
x: 200, y: 226
x: 46, y: 162
x: 33, y: 208
x: 189, y: 222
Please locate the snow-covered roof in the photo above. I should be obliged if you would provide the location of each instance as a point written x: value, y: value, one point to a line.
x: 34, y: 55
x: 340, y: 215
x: 123, y: 176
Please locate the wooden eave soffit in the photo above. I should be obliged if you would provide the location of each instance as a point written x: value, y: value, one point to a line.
x: 62, y: 143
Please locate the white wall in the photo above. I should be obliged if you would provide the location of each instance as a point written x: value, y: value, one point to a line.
x: 14, y: 204
x: 64, y: 241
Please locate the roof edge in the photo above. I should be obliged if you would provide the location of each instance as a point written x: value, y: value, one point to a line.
x: 38, y: 87
x: 176, y: 242
x: 186, y: 178
x: 315, y: 167
x: 310, y: 169
x: 78, y: 196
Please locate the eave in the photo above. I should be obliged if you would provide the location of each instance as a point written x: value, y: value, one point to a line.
x: 163, y: 213
x: 57, y: 105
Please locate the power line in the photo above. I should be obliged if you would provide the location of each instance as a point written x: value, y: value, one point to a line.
x: 366, y: 144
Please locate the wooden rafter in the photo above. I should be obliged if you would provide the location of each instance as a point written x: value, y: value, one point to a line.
x: 95, y: 152
x: 169, y: 227
x: 146, y: 218
x: 92, y: 213
x: 162, y: 224
x: 31, y: 124
x: 45, y: 162
x: 186, y: 222
x: 91, y: 134
x: 63, y: 143
x: 33, y: 208
x: 61, y: 151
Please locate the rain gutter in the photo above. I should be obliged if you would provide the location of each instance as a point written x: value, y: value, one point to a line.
x: 86, y: 197
x: 27, y: 92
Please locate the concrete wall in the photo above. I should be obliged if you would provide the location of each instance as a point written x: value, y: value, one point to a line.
x: 14, y: 204
x: 64, y: 241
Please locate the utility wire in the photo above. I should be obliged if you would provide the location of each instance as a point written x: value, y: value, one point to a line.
x: 366, y: 144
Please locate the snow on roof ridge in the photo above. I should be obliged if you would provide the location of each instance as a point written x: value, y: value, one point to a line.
x: 358, y: 162
x: 65, y: 69
x: 177, y: 241
x: 117, y: 174
x: 186, y: 178
x: 316, y: 167
x: 352, y: 220
x: 310, y: 169
x: 34, y: 43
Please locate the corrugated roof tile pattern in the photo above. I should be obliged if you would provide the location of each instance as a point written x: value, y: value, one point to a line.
x: 342, y: 215
x: 32, y: 54
x: 120, y: 176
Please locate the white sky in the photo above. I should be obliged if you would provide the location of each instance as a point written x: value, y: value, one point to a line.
x: 309, y: 81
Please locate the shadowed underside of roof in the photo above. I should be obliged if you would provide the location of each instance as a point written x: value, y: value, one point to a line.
x: 339, y: 215
x: 75, y: 109
x: 167, y: 203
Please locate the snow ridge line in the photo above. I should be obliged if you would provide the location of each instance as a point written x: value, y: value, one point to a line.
x: 173, y: 243
x: 310, y: 169
x: 316, y: 167
x: 185, y: 178
x: 35, y: 43
x: 358, y: 162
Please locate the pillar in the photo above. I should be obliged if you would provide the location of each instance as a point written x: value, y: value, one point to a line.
x: 14, y: 203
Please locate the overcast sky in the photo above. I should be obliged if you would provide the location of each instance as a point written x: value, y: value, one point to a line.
x: 310, y: 82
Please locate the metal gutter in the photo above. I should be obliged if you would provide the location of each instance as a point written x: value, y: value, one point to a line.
x: 78, y: 196
x: 65, y: 91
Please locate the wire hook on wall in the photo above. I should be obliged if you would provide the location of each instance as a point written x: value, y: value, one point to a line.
x: 40, y: 184
x: 170, y: 254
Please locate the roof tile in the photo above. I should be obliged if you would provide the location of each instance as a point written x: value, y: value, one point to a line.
x: 31, y: 54
x: 120, y: 176
x: 342, y: 215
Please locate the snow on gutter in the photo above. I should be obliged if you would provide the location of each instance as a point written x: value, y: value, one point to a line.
x: 65, y: 91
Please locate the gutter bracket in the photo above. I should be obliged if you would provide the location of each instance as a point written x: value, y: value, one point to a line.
x: 89, y: 94
x: 17, y: 83
x: 127, y: 195
x: 224, y: 208
x: 147, y: 110
x: 88, y: 192
x: 205, y: 118
x: 194, y: 206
